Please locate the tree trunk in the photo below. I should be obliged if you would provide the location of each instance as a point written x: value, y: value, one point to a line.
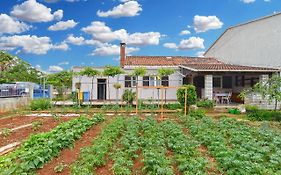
x: 108, y: 90
x: 92, y: 92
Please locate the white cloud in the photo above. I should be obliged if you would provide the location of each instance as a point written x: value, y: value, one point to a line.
x: 149, y: 38
x: 54, y: 69
x: 128, y: 9
x: 108, y: 50
x: 200, y: 54
x: 82, y: 41
x: 33, y: 11
x: 64, y: 63
x: 10, y: 26
x: 170, y: 45
x: 205, y: 23
x: 103, y: 33
x: 63, y: 25
x: 30, y: 44
x: 248, y: 1
x: 185, y: 32
x: 187, y: 44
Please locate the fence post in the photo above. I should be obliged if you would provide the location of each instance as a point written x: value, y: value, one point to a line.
x: 137, y: 99
x: 185, y: 102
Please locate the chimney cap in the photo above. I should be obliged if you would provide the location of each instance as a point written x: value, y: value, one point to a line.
x: 122, y: 44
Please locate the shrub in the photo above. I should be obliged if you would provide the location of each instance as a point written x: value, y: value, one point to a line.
x: 173, y: 106
x: 234, y: 111
x: 191, y: 95
x: 129, y: 96
x: 40, y: 104
x: 206, y: 103
x: 197, y: 114
x: 261, y: 114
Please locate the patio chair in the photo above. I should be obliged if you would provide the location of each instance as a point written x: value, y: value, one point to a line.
x: 216, y: 98
x: 227, y: 98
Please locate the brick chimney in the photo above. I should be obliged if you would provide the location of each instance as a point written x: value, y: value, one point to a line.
x: 122, y: 54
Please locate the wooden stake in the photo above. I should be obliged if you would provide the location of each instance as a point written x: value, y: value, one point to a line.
x: 162, y: 103
x: 137, y: 99
x: 185, y: 102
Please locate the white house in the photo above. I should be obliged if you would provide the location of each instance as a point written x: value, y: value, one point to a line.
x: 209, y: 75
x: 254, y: 43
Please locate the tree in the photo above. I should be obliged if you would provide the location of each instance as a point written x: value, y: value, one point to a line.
x: 90, y: 72
x: 269, y: 89
x: 190, y: 90
x: 163, y: 72
x: 60, y: 81
x: 129, y: 96
x: 111, y: 71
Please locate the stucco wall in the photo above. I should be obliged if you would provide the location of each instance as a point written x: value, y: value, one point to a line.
x: 9, y: 104
x: 255, y: 44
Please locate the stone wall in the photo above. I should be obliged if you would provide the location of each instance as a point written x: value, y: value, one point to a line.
x: 257, y: 100
x: 9, y: 104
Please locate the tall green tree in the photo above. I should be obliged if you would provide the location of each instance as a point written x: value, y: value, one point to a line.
x: 61, y: 81
x: 91, y: 73
x: 269, y: 89
x: 139, y: 72
x: 111, y: 71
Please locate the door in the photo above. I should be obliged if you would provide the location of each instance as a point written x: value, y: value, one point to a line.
x: 199, y: 83
x: 101, y: 89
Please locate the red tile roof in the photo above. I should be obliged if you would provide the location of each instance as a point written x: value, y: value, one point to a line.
x: 192, y: 63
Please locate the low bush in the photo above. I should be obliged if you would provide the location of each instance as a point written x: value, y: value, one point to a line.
x: 205, y: 103
x: 197, y: 114
x: 261, y: 114
x: 40, y: 104
x: 234, y: 111
x: 173, y: 106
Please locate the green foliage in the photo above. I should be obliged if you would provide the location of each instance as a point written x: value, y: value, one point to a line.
x: 36, y: 125
x: 269, y: 89
x: 117, y: 85
x: 234, y: 111
x: 93, y: 156
x: 165, y: 72
x: 206, y: 103
x: 263, y: 115
x: 89, y: 72
x: 139, y: 72
x: 197, y: 114
x: 173, y: 106
x: 13, y: 69
x: 60, y: 81
x: 129, y: 96
x: 6, y: 132
x: 129, y: 143
x: 60, y: 167
x: 191, y: 95
x: 112, y: 71
x: 39, y: 149
x: 40, y: 104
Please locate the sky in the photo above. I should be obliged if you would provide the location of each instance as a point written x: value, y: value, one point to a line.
x: 55, y: 35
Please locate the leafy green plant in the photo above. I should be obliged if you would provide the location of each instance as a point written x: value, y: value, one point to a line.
x: 129, y: 96
x: 234, y: 111
x: 40, y: 148
x: 173, y: 106
x: 205, y: 103
x: 191, y: 95
x: 56, y: 117
x: 36, y: 125
x: 94, y: 156
x: 197, y: 114
x: 60, y: 167
x: 40, y: 104
x: 6, y: 132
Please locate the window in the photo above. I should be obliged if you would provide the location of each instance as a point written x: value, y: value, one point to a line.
x: 227, y: 82
x: 130, y: 81
x: 165, y: 81
x: 145, y: 81
x: 217, y: 82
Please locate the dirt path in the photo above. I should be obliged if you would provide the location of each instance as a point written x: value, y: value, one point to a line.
x: 170, y: 154
x: 138, y: 164
x: 22, y: 134
x: 107, y: 169
x: 68, y: 156
x: 213, y: 163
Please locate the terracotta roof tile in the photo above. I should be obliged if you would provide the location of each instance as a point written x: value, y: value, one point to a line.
x: 195, y: 63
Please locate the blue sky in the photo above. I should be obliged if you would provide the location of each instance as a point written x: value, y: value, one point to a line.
x: 54, y: 35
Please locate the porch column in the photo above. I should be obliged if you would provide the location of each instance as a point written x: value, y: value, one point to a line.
x: 264, y: 78
x: 208, y: 91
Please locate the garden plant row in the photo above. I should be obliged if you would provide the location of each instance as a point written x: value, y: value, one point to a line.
x: 38, y: 149
x: 237, y: 147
